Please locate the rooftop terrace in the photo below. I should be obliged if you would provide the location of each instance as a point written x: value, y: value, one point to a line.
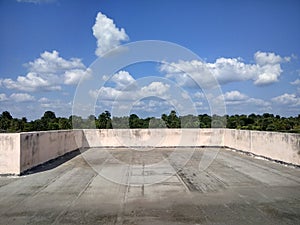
x: 234, y: 189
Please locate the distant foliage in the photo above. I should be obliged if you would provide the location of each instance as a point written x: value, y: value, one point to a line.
x: 49, y: 121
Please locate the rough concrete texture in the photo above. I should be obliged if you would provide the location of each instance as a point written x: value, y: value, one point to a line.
x: 153, y: 137
x: 39, y: 147
x: 274, y: 145
x: 9, y: 153
x: 234, y: 189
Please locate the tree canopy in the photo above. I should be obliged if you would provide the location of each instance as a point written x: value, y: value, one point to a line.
x: 49, y: 121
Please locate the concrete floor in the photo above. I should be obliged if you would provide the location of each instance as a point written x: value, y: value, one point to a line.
x: 152, y: 187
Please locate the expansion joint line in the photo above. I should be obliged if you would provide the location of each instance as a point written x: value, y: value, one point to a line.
x: 56, y: 221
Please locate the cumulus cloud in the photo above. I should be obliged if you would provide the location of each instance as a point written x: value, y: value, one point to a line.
x: 21, y: 97
x: 17, y: 97
x: 234, y: 96
x: 155, y: 89
x: 296, y: 82
x: 287, y: 99
x: 3, y: 97
x: 199, y: 95
x: 126, y: 88
x: 236, y: 100
x: 73, y: 76
x: 122, y: 79
x: 48, y: 73
x: 266, y: 70
x: 264, y: 58
x: 107, y: 34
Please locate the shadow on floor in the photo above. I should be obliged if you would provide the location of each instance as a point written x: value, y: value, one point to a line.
x: 53, y: 163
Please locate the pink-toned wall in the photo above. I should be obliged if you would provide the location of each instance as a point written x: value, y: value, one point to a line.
x: 40, y: 147
x: 9, y: 153
x: 153, y: 137
x: 19, y: 152
x: 274, y: 145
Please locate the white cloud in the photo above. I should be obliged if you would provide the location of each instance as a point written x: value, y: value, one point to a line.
x: 32, y: 82
x: 75, y: 75
x: 122, y: 79
x: 43, y: 100
x: 241, y: 103
x: 127, y: 89
x: 21, y: 97
x: 235, y: 96
x: 265, y: 58
x: 107, y: 34
x: 3, y: 97
x: 287, y: 99
x: 266, y: 70
x: 56, y: 105
x: 296, y: 82
x: 48, y: 73
x: 199, y: 95
x: 155, y: 89
x: 17, y: 97
x: 51, y: 62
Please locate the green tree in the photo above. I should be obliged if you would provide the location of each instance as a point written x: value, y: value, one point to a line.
x: 5, y: 120
x: 135, y: 122
x: 104, y: 120
x: 172, y: 120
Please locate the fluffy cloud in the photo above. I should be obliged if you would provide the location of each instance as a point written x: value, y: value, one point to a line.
x: 3, y: 97
x: 107, y: 34
x: 287, y: 99
x: 266, y: 70
x: 73, y: 76
x: 237, y: 102
x: 264, y: 58
x: 296, y: 82
x: 48, y: 73
x: 155, y: 89
x: 235, y: 96
x: 17, y: 97
x: 126, y: 88
x: 21, y: 97
x: 122, y: 79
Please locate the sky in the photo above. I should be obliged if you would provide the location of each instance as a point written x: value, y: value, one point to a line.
x: 250, y: 48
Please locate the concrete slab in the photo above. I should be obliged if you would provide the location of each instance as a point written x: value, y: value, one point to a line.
x: 125, y: 186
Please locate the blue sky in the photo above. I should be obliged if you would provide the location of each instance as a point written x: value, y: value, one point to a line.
x: 251, y: 47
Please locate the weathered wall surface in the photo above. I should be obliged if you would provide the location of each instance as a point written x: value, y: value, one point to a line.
x: 39, y: 147
x: 9, y: 153
x: 153, y: 137
x: 278, y: 146
x: 19, y: 152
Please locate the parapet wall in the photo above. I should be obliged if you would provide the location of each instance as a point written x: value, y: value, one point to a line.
x: 283, y: 147
x: 9, y: 153
x: 20, y: 152
x: 39, y: 147
x: 153, y: 137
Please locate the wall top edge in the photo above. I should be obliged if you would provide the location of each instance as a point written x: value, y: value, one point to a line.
x: 154, y: 129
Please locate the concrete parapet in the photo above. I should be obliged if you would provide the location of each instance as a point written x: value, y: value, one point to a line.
x: 40, y: 147
x: 20, y: 152
x: 283, y: 147
x: 153, y: 137
x: 10, y: 154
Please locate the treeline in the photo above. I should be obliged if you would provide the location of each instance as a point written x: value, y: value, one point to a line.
x: 49, y: 121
